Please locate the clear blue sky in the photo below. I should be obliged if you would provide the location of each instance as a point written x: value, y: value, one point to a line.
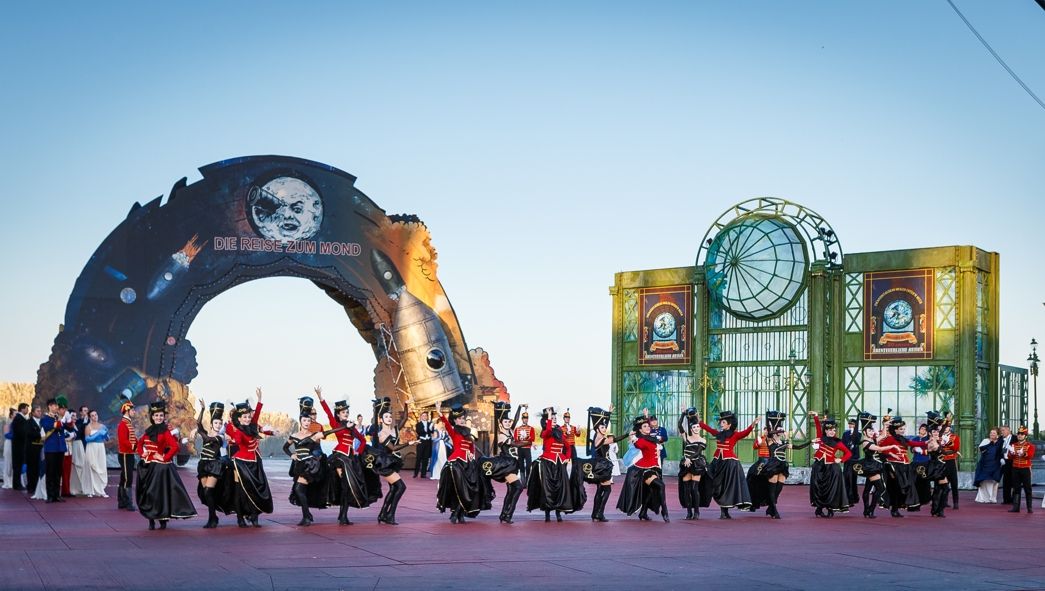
x: 531, y: 138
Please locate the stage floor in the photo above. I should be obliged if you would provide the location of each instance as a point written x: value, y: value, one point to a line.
x: 89, y: 544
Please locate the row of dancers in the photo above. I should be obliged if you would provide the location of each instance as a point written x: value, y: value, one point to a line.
x: 351, y: 476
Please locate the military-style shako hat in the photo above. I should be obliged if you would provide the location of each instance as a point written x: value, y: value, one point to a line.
x: 692, y: 415
x: 305, y: 406
x: 829, y: 423
x: 896, y: 422
x: 867, y: 420
x: 729, y: 417
x: 525, y: 415
x: 241, y: 409
x: 456, y: 412
x: 934, y: 419
x: 598, y: 416
x: 1022, y: 430
x: 565, y: 415
x: 775, y: 420
x: 217, y: 411
x: 638, y: 422
x: 381, y: 406
x: 549, y: 412
x: 158, y: 406
x: 126, y: 406
x: 339, y: 406
x: 501, y: 411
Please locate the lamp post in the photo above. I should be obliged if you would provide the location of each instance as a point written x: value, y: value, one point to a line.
x: 1033, y: 360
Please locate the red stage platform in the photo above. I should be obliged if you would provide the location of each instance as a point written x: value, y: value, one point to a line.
x: 88, y: 543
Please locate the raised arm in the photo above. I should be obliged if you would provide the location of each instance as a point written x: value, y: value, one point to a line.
x: 819, y: 428
x: 515, y: 421
x: 742, y: 434
x: 199, y: 420
x: 330, y: 416
x: 257, y: 414
x: 706, y: 427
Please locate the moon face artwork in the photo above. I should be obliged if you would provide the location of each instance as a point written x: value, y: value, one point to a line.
x: 285, y: 209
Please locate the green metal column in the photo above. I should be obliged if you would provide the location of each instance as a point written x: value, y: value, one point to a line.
x: 700, y: 338
x: 966, y: 360
x: 617, y: 340
x: 836, y: 336
x: 817, y: 345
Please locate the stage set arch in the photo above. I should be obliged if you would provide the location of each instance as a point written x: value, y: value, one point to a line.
x: 775, y: 316
x: 249, y: 218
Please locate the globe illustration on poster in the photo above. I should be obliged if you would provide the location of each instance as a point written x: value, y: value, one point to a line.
x: 755, y: 267
x: 664, y: 326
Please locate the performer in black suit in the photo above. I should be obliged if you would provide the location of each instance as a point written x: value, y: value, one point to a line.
x: 1007, y: 440
x: 424, y: 429
x: 851, y: 440
x: 19, y: 433
x: 34, y: 446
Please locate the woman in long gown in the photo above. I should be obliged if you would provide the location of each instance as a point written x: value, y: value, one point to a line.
x: 730, y: 484
x: 350, y: 484
x: 8, y: 438
x: 551, y: 485
x: 160, y: 494
x: 95, y: 474
x: 251, y: 493
x: 440, y: 444
x: 460, y: 485
x: 826, y: 481
x: 988, y: 469
x: 643, y: 489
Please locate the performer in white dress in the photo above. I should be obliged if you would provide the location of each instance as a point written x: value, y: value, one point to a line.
x: 95, y: 475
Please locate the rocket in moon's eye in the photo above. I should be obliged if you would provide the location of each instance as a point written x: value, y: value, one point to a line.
x: 424, y: 349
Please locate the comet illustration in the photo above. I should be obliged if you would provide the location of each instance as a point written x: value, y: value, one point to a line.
x: 176, y: 266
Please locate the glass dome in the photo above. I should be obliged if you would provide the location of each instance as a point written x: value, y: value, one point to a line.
x: 755, y: 267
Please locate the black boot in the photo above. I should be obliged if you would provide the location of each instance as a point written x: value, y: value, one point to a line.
x: 121, y: 498
x: 163, y: 523
x: 776, y: 498
x: 152, y: 524
x: 240, y: 521
x: 547, y: 516
x: 694, y: 499
x: 395, y: 492
x: 460, y: 515
x: 1029, y: 500
x: 301, y: 495
x: 661, y: 492
x: 511, y: 498
x: 644, y: 513
x: 212, y: 514
x: 1015, y: 501
x: 253, y: 519
x: 724, y: 513
x: 598, y: 512
x: 771, y: 499
x: 687, y: 498
x: 558, y: 516
x: 342, y: 516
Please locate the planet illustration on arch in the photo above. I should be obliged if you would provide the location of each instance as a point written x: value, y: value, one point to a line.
x: 285, y: 209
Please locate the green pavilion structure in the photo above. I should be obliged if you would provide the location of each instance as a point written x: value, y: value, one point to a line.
x: 775, y: 316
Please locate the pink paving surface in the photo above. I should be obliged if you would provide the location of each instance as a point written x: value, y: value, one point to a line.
x: 88, y: 543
